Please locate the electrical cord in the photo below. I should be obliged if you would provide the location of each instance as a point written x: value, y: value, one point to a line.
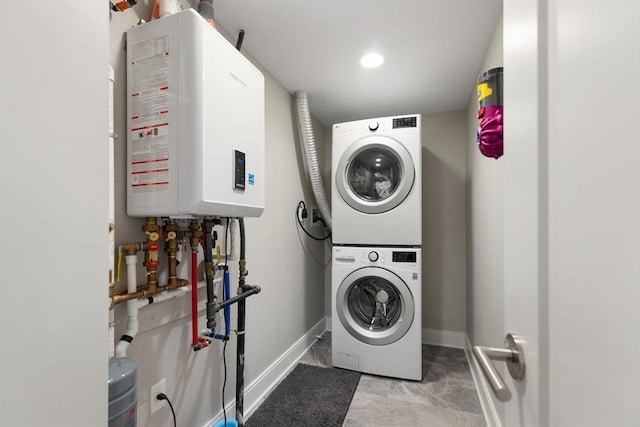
x: 162, y: 396
x: 302, y: 205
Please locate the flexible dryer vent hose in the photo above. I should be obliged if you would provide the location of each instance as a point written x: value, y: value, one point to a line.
x: 307, y: 140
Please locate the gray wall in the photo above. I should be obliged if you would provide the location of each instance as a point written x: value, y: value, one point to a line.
x: 280, y: 259
x: 443, y: 223
x: 485, y: 301
x: 485, y: 223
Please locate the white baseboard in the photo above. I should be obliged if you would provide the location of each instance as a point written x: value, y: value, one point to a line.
x: 256, y: 392
x: 443, y: 338
x: 484, y: 393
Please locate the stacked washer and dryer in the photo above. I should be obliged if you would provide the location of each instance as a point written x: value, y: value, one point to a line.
x: 376, y: 279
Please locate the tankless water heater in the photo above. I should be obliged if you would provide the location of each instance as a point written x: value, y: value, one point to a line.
x: 195, y: 107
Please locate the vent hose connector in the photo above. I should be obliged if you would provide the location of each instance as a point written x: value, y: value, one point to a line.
x: 310, y: 157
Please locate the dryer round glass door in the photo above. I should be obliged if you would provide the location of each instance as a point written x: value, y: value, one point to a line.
x: 375, y: 306
x: 375, y: 174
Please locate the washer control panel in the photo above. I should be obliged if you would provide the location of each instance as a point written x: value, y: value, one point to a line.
x: 378, y: 256
x: 404, y: 256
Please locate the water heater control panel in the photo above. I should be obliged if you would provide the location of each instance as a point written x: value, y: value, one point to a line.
x: 239, y: 170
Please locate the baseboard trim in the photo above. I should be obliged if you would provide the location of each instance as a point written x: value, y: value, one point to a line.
x: 443, y: 338
x: 484, y: 393
x: 256, y: 392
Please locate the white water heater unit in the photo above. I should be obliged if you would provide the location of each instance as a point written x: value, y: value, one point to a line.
x: 195, y: 144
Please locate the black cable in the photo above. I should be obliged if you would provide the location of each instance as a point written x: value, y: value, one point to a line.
x: 242, y: 237
x: 302, y: 205
x: 224, y: 347
x: 240, y: 39
x: 162, y: 396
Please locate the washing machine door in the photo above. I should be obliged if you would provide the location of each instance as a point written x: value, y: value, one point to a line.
x: 375, y: 306
x: 375, y: 174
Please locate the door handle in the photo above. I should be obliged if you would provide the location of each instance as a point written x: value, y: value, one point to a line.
x: 513, y: 354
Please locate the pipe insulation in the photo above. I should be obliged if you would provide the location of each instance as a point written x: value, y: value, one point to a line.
x: 307, y: 140
x: 233, y: 234
x: 132, y: 308
x: 162, y: 296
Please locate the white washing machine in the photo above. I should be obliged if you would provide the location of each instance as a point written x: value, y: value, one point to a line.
x: 376, y: 191
x: 376, y: 319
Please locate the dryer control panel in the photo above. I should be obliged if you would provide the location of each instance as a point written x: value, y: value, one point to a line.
x: 405, y: 122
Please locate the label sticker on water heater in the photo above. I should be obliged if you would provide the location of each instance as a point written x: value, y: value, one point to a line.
x: 251, y: 178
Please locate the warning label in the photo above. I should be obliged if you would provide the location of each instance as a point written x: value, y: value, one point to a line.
x: 150, y: 158
x: 150, y: 115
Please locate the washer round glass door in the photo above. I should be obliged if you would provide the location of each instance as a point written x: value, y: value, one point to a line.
x: 375, y: 174
x: 375, y: 306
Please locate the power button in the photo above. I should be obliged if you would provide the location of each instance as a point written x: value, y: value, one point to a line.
x: 373, y: 256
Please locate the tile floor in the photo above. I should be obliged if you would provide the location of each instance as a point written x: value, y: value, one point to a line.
x: 446, y: 396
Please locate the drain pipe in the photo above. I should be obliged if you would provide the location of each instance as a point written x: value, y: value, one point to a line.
x: 310, y: 158
x: 132, y: 308
x: 244, y: 291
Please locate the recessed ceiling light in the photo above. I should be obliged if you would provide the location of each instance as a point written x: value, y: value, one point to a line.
x: 372, y: 60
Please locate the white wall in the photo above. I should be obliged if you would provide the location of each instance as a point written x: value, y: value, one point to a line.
x: 279, y: 259
x: 485, y: 221
x: 443, y: 226
x: 594, y: 213
x: 53, y: 213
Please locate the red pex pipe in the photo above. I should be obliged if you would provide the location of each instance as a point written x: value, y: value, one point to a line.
x: 194, y: 299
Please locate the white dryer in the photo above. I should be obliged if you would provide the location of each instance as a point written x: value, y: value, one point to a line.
x: 376, y: 191
x: 376, y: 319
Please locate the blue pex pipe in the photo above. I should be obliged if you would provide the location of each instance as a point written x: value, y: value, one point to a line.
x: 227, y: 309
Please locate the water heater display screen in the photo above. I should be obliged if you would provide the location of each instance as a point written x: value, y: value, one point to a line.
x: 239, y: 168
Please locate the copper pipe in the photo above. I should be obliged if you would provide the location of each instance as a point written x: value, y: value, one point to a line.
x: 124, y: 291
x: 152, y: 281
x: 179, y: 283
x: 151, y: 259
x: 122, y: 295
x: 131, y: 248
x: 195, y: 233
x: 117, y: 299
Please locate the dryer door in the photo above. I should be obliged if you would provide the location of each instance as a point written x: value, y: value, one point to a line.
x: 375, y: 306
x: 375, y: 174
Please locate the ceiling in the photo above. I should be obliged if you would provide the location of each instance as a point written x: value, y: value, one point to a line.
x: 433, y: 51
